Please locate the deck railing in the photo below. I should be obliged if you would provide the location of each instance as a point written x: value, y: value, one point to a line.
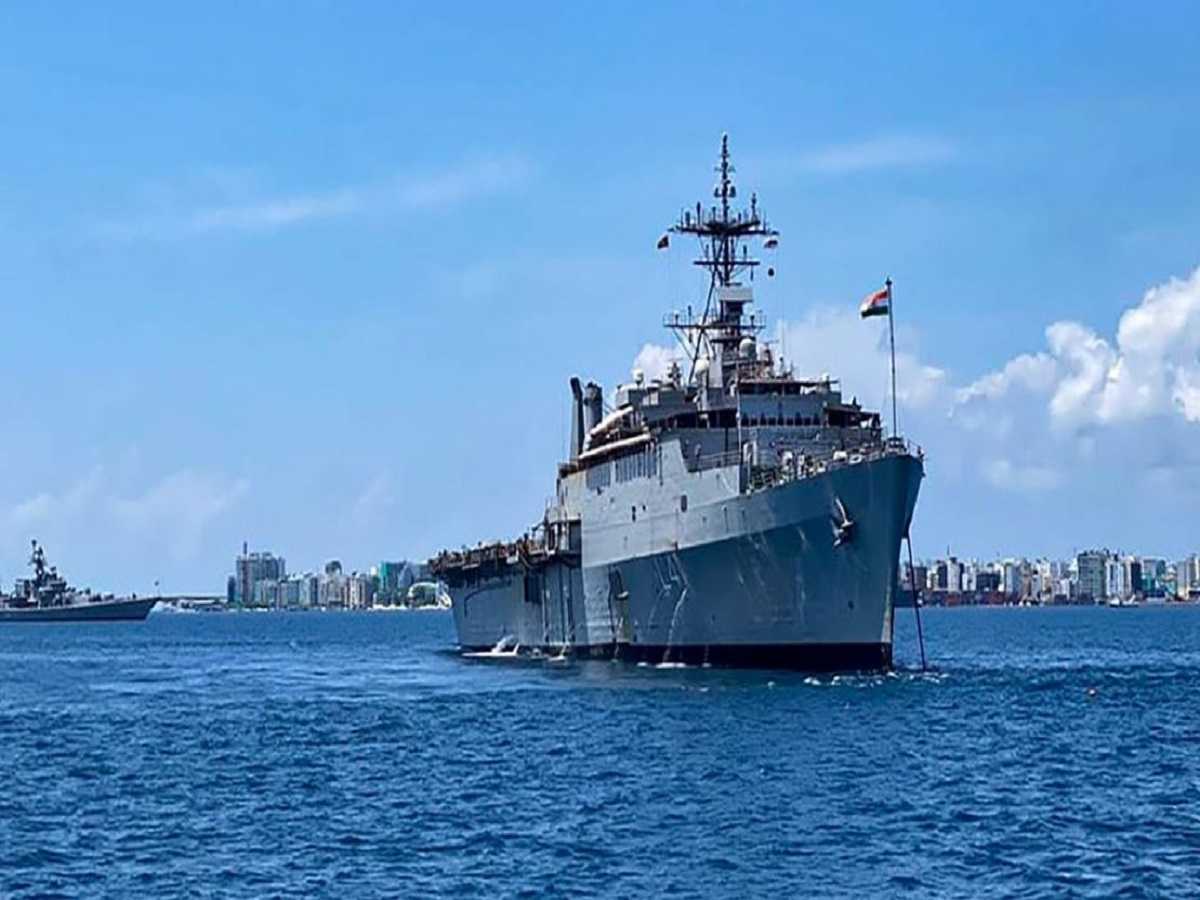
x: 804, y: 466
x: 713, y: 461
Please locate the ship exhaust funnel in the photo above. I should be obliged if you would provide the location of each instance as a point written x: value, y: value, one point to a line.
x: 593, y: 407
x: 577, y: 431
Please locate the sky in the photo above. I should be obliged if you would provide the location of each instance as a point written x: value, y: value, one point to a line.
x: 314, y: 276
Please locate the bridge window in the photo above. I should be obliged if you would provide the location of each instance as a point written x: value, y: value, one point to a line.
x: 683, y: 503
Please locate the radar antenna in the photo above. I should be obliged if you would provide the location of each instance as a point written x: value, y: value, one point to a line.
x: 721, y: 232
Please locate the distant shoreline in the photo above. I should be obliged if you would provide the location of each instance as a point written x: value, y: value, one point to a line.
x: 168, y: 608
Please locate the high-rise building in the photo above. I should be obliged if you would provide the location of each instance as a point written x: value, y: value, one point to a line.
x: 1186, y: 581
x: 289, y: 592
x: 1011, y: 578
x: 266, y: 593
x: 970, y: 576
x: 953, y: 576
x: 941, y: 575
x: 1046, y: 574
x: 310, y: 591
x: 1091, y: 578
x: 1059, y: 570
x: 987, y: 581
x: 918, y: 576
x: 1115, y: 585
x: 1131, y: 568
x: 1154, y: 576
x: 395, y: 578
x: 252, y: 568
x: 333, y: 589
x: 1027, y: 586
x: 360, y: 591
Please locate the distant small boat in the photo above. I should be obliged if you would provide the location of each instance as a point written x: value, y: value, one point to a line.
x: 48, y: 598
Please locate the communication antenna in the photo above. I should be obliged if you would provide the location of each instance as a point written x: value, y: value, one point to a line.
x: 721, y: 232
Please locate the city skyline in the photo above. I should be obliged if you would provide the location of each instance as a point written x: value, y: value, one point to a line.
x: 337, y: 307
x: 1094, y: 575
x: 261, y: 579
x: 1091, y: 575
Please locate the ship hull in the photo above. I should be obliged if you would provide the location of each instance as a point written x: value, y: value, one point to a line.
x: 104, y: 611
x: 759, y: 579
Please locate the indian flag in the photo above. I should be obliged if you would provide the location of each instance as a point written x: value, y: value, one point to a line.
x: 876, y: 304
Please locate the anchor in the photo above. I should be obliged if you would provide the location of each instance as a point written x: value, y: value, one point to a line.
x: 843, y: 526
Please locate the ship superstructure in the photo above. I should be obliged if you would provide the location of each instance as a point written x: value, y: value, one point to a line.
x: 725, y: 512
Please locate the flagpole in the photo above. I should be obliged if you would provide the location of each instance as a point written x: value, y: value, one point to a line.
x: 892, y: 340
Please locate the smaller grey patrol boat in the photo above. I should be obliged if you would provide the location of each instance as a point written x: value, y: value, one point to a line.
x: 46, y: 597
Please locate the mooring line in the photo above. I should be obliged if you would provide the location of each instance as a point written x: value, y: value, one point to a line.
x: 912, y: 583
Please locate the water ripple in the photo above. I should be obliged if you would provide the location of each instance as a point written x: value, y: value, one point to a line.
x: 1049, y: 753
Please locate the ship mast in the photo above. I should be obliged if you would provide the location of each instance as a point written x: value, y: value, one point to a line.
x: 721, y: 232
x: 38, y: 560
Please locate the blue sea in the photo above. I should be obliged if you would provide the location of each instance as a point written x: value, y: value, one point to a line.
x: 1049, y: 753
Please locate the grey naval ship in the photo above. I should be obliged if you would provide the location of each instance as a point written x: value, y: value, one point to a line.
x: 46, y: 597
x: 729, y: 514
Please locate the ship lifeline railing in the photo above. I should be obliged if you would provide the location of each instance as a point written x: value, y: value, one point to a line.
x: 713, y: 461
x: 807, y: 466
x: 793, y: 467
x: 528, y: 551
x: 497, y: 552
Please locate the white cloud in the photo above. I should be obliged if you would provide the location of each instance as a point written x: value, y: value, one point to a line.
x: 174, y: 513
x: 460, y: 184
x: 1034, y: 372
x: 1127, y: 406
x: 895, y: 151
x: 654, y: 360
x: 408, y: 191
x: 378, y: 499
x: 97, y: 516
x: 1006, y: 475
x: 991, y: 404
x: 1151, y: 370
x: 179, y: 509
x: 1187, y: 394
x: 280, y: 212
x: 839, y: 342
x: 1084, y: 362
x: 45, y: 507
x: 1081, y: 404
